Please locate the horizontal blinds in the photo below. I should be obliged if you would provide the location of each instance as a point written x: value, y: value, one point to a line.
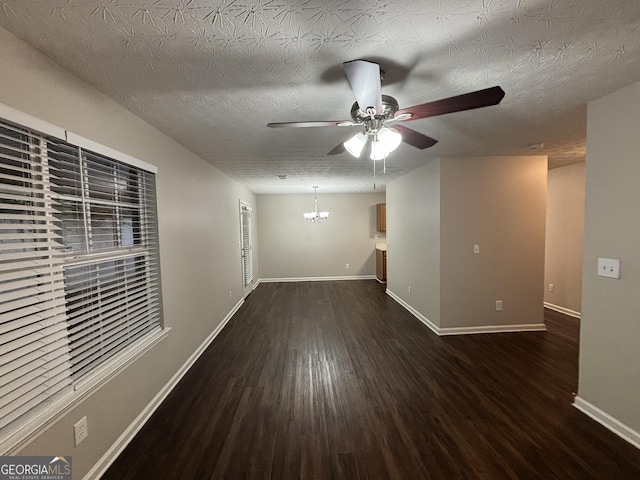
x: 112, y: 301
x: 35, y: 360
x: 111, y: 304
x: 79, y: 268
x: 247, y: 253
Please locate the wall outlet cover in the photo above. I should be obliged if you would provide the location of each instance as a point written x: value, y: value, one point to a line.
x: 609, y: 267
x: 80, y: 431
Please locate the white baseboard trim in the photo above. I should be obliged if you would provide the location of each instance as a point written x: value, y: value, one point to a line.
x: 121, y: 443
x: 317, y: 279
x: 414, y: 312
x: 603, y: 418
x: 566, y: 311
x: 526, y: 327
x: 531, y: 327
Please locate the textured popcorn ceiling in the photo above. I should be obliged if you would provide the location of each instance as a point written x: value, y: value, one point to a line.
x: 212, y: 74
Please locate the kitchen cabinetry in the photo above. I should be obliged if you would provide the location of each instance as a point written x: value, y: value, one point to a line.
x: 381, y: 264
x: 381, y: 217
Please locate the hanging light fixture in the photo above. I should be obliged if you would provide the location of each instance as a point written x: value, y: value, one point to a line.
x: 316, y: 216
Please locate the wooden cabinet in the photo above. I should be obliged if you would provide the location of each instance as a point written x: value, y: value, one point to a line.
x: 381, y: 265
x: 381, y: 217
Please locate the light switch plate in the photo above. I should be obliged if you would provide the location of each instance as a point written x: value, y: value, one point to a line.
x: 609, y: 267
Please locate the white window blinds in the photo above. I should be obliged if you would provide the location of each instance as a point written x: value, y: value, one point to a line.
x: 247, y: 253
x: 35, y: 361
x: 79, y: 268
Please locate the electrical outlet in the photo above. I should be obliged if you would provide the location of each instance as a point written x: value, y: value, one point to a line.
x: 476, y: 249
x: 409, y: 289
x: 347, y: 266
x: 552, y: 287
x: 498, y: 305
x: 81, y: 430
x: 230, y: 297
x: 609, y: 267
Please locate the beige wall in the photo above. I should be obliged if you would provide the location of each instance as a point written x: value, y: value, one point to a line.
x: 610, y: 326
x: 565, y: 235
x: 199, y: 242
x: 413, y: 240
x: 497, y: 203
x: 295, y: 248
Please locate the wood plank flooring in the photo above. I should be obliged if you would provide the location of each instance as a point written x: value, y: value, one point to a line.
x: 334, y: 380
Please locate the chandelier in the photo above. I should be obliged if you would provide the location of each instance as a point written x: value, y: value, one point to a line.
x: 315, y: 216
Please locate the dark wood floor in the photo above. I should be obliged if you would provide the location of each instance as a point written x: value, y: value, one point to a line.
x: 334, y: 380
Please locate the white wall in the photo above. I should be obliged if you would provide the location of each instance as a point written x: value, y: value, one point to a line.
x: 565, y: 236
x: 199, y: 237
x: 610, y: 326
x: 295, y: 248
x: 437, y: 214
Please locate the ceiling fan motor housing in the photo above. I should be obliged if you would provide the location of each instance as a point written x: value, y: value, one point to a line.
x: 389, y: 109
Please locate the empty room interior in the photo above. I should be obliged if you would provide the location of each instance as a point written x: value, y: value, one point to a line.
x: 355, y: 239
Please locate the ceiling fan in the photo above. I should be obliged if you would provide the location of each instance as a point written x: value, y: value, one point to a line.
x: 375, y: 112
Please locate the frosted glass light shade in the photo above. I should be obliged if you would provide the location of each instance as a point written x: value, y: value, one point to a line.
x: 387, y: 141
x: 355, y: 144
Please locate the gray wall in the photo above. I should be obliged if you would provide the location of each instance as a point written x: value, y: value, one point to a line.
x: 610, y: 327
x: 413, y: 239
x: 199, y: 239
x: 295, y: 248
x: 565, y: 236
x: 437, y: 214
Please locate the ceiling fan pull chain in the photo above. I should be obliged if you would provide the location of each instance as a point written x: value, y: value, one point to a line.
x: 374, y: 174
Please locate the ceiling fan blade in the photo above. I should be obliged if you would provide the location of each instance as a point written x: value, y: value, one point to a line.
x: 415, y: 139
x: 329, y: 123
x: 337, y: 149
x: 364, y: 78
x: 459, y: 103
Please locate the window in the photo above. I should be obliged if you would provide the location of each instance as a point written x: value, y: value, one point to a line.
x: 247, y: 251
x: 79, y: 271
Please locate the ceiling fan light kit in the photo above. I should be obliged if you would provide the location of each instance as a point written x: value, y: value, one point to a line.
x: 385, y: 141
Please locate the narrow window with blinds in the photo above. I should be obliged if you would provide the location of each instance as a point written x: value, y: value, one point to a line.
x: 247, y: 253
x: 79, y: 271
